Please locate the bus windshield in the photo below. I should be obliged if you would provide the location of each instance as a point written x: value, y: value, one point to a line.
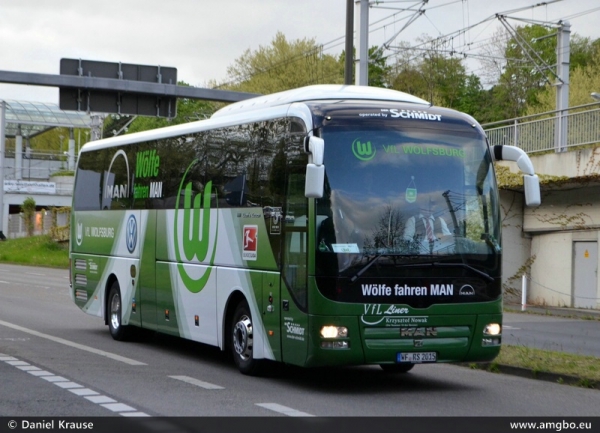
x: 405, y: 195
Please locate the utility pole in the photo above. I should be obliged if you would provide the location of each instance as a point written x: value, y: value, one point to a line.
x: 563, y: 54
x: 362, y: 36
x: 349, y: 42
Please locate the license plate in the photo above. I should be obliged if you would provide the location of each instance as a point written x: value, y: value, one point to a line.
x: 417, y: 357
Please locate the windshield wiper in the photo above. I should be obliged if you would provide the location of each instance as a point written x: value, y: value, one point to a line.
x: 365, y: 267
x: 464, y: 265
x: 378, y: 256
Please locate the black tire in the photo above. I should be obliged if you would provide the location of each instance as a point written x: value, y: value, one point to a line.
x: 114, y: 310
x: 242, y: 341
x: 396, y: 368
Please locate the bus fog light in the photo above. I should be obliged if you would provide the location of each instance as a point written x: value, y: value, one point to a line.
x: 334, y: 332
x: 335, y: 345
x: 490, y: 342
x: 492, y: 329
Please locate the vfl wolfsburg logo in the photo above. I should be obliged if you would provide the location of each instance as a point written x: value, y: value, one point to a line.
x: 79, y: 238
x: 192, y: 240
x: 363, y: 151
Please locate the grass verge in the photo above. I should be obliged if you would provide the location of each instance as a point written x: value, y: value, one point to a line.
x: 580, y: 370
x: 35, y: 251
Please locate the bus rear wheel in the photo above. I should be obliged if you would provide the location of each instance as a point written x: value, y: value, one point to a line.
x: 242, y: 341
x: 396, y: 368
x: 115, y: 307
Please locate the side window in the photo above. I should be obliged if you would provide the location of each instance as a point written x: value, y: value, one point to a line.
x: 295, y: 270
x: 88, y: 184
x: 117, y: 180
x: 104, y: 179
x: 295, y: 218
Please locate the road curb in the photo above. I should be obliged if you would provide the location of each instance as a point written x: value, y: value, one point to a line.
x: 567, y: 312
x: 532, y: 374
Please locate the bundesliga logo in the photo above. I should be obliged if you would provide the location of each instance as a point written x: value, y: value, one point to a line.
x: 250, y: 242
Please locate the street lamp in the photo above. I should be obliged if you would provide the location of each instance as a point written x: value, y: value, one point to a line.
x: 596, y: 96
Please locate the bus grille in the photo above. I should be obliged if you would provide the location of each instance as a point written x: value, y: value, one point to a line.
x: 81, y: 295
x: 448, y: 341
x: 81, y: 279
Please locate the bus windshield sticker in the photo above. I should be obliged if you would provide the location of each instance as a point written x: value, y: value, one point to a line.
x: 414, y: 114
x: 433, y: 151
x: 345, y: 248
x: 363, y: 150
x: 406, y: 290
x: 411, y: 191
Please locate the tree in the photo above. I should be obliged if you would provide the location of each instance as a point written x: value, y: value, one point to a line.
x: 584, y: 79
x: 431, y: 75
x: 378, y: 68
x: 476, y: 101
x: 28, y: 210
x: 517, y: 82
x: 283, y: 65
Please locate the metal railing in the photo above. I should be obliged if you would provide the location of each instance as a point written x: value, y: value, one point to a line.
x: 540, y: 132
x: 35, y: 165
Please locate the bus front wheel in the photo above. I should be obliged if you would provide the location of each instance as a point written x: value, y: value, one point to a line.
x: 396, y: 368
x: 117, y: 330
x: 242, y: 341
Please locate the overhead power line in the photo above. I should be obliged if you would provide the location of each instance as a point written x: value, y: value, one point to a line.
x: 466, y: 49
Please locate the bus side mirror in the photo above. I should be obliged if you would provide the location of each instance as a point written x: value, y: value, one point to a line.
x: 316, y: 147
x: 315, y: 178
x: 531, y: 182
x: 315, y: 170
x: 532, y: 190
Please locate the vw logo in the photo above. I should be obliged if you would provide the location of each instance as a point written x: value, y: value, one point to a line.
x: 131, y: 233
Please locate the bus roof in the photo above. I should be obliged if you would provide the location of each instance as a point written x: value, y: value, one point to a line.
x: 275, y: 103
x: 319, y: 92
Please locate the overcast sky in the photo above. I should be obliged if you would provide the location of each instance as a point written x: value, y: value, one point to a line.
x: 201, y: 38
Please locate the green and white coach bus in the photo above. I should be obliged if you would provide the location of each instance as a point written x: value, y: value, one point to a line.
x: 327, y: 225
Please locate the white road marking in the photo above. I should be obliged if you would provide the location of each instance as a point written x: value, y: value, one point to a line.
x: 509, y: 327
x: 75, y: 388
x: 28, y: 368
x: 83, y: 391
x: 73, y: 344
x: 100, y: 399
x: 55, y: 379
x: 68, y: 385
x: 40, y: 373
x: 118, y: 407
x: 283, y: 409
x: 16, y: 363
x: 197, y: 382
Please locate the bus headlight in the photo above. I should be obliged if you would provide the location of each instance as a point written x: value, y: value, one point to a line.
x: 334, y: 332
x: 492, y: 329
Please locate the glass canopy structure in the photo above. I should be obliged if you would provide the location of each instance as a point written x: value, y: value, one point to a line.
x: 36, y: 117
x: 26, y: 120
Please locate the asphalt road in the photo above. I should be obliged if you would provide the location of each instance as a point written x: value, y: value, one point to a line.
x: 554, y: 333
x: 57, y: 361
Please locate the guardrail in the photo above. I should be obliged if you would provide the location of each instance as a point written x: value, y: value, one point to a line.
x: 539, y: 132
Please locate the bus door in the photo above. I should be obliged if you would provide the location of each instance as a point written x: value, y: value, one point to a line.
x: 294, y: 275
